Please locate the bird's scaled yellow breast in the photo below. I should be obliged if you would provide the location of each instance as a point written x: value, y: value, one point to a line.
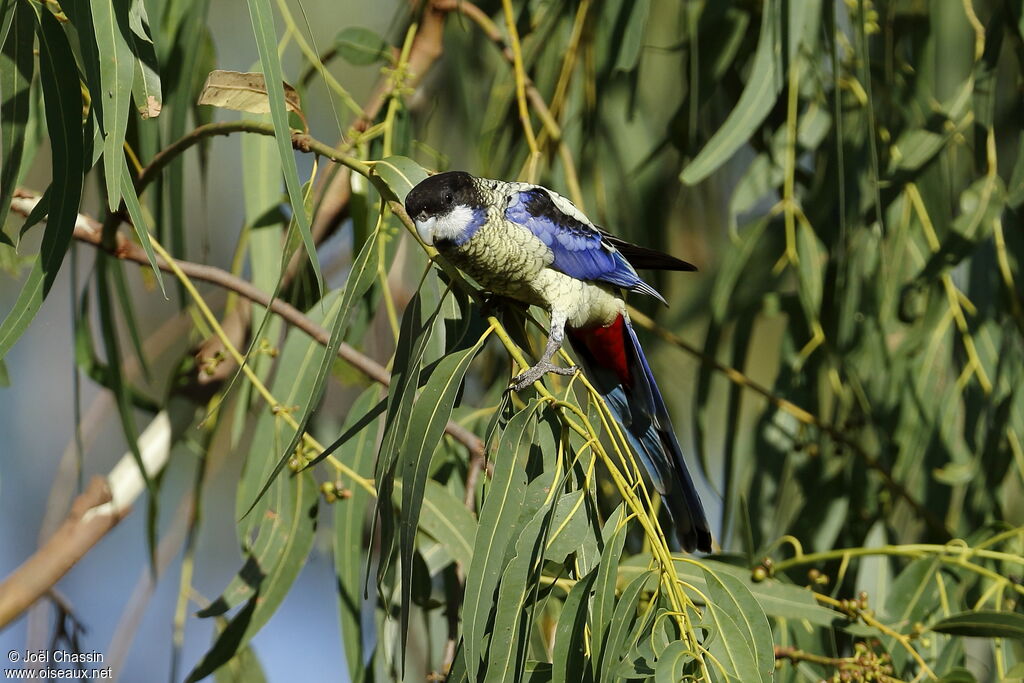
x: 585, y: 304
x: 509, y: 260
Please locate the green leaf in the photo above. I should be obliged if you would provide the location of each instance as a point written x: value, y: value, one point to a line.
x: 569, y: 528
x: 7, y: 8
x: 615, y: 646
x: 506, y: 654
x: 775, y: 598
x: 244, y: 667
x: 361, y: 46
x: 429, y: 416
x: 672, y: 662
x: 447, y: 520
x: 405, y: 375
x: 291, y: 521
x: 59, y: 77
x: 962, y: 675
x: 983, y: 624
x: 17, y: 67
x: 767, y: 76
x: 570, y: 632
x: 614, y: 534
x: 131, y: 202
x: 266, y: 40
x: 633, y: 35
x: 909, y: 600
x: 498, y: 527
x: 116, y: 74
x: 813, y: 257
x: 399, y: 174
x: 5, y: 377
x: 743, y: 642
x: 146, y: 88
x: 350, y: 518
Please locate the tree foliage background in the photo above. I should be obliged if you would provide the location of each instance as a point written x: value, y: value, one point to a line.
x: 847, y: 367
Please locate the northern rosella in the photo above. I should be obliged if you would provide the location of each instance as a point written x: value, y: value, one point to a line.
x: 526, y: 242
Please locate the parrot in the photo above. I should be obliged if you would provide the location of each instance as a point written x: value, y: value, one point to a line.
x: 528, y: 243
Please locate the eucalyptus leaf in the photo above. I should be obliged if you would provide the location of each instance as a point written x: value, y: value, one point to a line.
x: 361, y: 46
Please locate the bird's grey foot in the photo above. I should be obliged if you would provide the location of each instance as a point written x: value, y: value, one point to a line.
x: 533, y: 374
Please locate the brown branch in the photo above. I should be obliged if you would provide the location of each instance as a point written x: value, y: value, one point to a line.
x: 69, y: 543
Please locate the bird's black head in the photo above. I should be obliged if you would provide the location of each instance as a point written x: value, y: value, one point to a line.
x: 445, y: 206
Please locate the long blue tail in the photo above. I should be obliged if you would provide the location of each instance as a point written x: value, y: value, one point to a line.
x: 615, y: 364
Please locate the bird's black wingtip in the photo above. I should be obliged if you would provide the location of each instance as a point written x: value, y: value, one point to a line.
x: 694, y: 539
x: 704, y: 540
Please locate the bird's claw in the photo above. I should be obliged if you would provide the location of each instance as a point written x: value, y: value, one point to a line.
x: 531, y: 375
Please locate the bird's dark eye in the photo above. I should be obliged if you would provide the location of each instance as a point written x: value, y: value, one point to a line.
x: 449, y: 198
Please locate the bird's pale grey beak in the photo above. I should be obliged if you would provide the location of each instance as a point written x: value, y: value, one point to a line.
x: 425, y: 227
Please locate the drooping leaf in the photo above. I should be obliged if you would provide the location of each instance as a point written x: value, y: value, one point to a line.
x: 350, y: 516
x: 59, y: 77
x: 509, y: 636
x: 633, y: 36
x: 615, y: 645
x: 17, y: 68
x: 266, y: 40
x: 498, y: 527
x: 120, y: 389
x: 426, y: 426
x: 447, y: 520
x: 292, y: 522
x: 131, y: 202
x: 569, y: 528
x: 743, y: 642
x: 672, y: 662
x: 146, y: 86
x: 570, y: 632
x: 781, y: 28
x: 360, y: 278
x: 614, y: 534
x: 117, y: 70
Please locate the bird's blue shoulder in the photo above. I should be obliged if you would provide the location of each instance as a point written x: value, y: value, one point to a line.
x: 578, y: 247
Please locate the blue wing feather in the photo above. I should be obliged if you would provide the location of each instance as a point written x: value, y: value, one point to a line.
x: 579, y: 249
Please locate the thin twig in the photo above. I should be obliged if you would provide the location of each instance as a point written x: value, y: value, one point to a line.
x: 300, y: 141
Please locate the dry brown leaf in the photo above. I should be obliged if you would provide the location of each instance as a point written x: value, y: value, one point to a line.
x: 244, y: 91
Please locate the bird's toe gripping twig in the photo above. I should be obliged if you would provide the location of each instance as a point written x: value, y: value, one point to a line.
x: 531, y: 375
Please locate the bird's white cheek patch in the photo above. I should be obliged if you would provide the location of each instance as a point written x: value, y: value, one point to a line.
x: 425, y: 228
x: 453, y: 225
